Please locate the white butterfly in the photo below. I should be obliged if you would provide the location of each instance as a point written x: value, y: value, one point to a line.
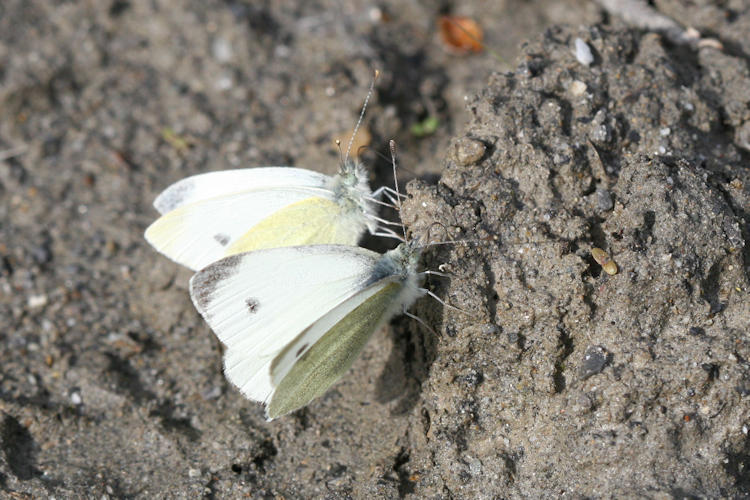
x: 294, y: 319
x: 209, y: 216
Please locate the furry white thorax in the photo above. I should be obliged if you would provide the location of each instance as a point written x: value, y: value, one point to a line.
x: 401, y: 264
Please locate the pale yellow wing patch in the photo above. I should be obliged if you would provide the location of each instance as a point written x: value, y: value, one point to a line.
x: 313, y: 220
x: 165, y: 234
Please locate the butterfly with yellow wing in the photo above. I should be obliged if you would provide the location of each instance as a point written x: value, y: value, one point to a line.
x: 213, y: 215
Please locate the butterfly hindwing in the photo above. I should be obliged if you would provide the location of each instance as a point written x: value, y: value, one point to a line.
x: 314, y: 220
x: 307, y: 367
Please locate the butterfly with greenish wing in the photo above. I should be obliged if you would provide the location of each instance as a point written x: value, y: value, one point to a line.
x: 295, y: 319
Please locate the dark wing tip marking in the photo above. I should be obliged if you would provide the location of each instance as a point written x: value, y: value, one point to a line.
x: 174, y: 195
x: 204, y: 283
x: 252, y: 305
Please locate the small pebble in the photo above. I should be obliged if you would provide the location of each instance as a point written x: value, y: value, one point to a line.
x: 75, y: 398
x: 602, y: 258
x: 577, y: 88
x: 376, y: 14
x: 583, y: 404
x: 489, y: 329
x: 583, y: 52
x: 595, y: 359
x: 222, y: 50
x: 282, y: 51
x: 469, y: 151
x: 224, y: 82
x: 560, y: 159
x: 604, y: 201
x: 475, y: 466
x: 742, y: 136
x: 211, y: 393
x: 600, y: 134
x: 35, y: 301
x: 41, y: 254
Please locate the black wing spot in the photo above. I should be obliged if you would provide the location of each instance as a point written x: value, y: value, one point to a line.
x: 252, y: 305
x: 301, y: 350
x: 222, y: 239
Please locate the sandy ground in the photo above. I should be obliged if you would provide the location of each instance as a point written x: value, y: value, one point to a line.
x: 560, y: 380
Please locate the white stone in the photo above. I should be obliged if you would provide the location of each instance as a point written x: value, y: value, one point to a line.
x: 583, y: 52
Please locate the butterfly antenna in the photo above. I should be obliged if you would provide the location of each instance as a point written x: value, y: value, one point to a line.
x: 392, y: 145
x: 436, y: 273
x: 451, y: 239
x: 445, y: 304
x: 361, y: 116
x: 341, y: 153
x: 420, y: 321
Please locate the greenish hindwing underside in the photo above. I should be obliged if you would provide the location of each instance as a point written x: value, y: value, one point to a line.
x: 332, y: 356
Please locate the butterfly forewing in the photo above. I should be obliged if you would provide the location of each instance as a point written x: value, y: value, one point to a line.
x: 226, y: 182
x: 259, y: 302
x: 200, y: 233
